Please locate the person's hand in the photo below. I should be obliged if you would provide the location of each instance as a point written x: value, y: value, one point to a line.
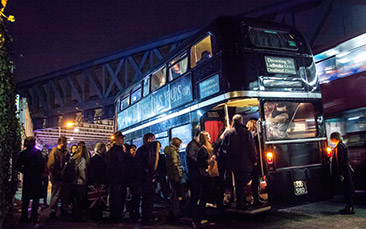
x: 213, y: 157
x: 341, y: 178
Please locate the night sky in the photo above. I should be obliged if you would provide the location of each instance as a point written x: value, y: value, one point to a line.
x: 51, y: 35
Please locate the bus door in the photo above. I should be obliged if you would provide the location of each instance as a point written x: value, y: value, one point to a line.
x: 294, y: 150
x: 223, y: 113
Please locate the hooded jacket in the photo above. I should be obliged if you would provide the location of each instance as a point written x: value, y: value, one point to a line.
x: 173, y: 164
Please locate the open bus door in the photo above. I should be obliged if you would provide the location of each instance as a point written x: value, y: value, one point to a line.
x: 214, y: 122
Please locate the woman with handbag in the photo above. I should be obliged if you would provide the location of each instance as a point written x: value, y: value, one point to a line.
x: 341, y: 172
x: 207, y: 163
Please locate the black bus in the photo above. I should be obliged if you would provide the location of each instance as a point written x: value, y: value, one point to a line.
x: 240, y: 66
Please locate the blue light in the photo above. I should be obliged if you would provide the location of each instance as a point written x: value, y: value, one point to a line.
x: 199, y: 113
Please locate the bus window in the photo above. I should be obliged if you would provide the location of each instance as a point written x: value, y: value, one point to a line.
x: 184, y: 133
x: 146, y: 87
x: 201, y: 51
x: 289, y: 120
x: 125, y: 102
x: 164, y: 143
x: 178, y: 67
x: 272, y: 39
x: 158, y: 79
x: 136, y: 95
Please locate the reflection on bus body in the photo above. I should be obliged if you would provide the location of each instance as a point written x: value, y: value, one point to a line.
x: 277, y: 122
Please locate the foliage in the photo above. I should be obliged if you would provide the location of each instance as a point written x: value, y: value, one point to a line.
x: 9, y: 128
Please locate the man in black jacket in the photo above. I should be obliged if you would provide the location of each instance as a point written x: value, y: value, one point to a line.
x: 31, y: 164
x: 193, y: 170
x: 240, y: 149
x: 117, y: 177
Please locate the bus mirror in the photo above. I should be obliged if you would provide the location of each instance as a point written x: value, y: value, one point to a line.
x: 270, y: 157
x: 329, y: 151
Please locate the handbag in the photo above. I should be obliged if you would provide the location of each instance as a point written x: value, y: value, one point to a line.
x: 213, y: 169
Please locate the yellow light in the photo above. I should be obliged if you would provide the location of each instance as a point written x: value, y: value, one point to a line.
x: 112, y: 137
x: 329, y: 151
x: 269, y: 157
x: 70, y: 124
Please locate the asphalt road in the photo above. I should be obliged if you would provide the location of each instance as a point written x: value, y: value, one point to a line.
x: 315, y: 215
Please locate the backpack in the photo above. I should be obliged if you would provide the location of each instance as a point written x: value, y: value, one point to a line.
x: 68, y: 173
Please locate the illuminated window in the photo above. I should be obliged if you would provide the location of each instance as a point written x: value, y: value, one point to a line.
x: 201, y: 51
x: 289, y: 120
x: 272, y: 39
x: 146, y: 85
x: 158, y: 79
x: 184, y: 133
x: 136, y: 95
x: 125, y: 102
x: 178, y: 66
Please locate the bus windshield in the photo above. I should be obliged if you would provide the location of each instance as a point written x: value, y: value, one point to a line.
x: 289, y: 120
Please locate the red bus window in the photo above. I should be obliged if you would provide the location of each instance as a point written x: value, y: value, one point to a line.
x: 214, y: 128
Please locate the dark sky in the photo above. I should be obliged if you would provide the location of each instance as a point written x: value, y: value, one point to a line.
x: 52, y: 34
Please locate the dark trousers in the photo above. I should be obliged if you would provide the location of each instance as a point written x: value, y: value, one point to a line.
x: 147, y: 193
x: 175, y: 206
x: 195, y: 187
x: 79, y: 201
x: 165, y: 190
x: 59, y: 193
x: 25, y: 204
x: 134, y: 205
x: 241, y: 181
x: 255, y: 182
x: 208, y: 188
x: 117, y: 200
x: 44, y: 189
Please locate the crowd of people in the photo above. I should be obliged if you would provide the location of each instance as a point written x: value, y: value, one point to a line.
x: 84, y: 185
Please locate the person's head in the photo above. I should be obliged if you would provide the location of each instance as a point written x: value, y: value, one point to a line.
x: 281, y: 107
x: 149, y: 137
x: 74, y: 148
x: 109, y: 145
x: 133, y: 150
x: 204, y: 138
x: 119, y: 138
x: 237, y: 119
x: 175, y: 142
x: 205, y: 55
x: 197, y: 134
x: 100, y: 148
x: 335, y: 137
x: 252, y: 125
x: 62, y: 142
x: 29, y: 142
x: 82, y: 152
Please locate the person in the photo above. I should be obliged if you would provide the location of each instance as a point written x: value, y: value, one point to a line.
x: 193, y: 170
x: 205, y: 55
x: 56, y: 162
x: 108, y: 146
x: 116, y: 174
x: 341, y: 172
x: 252, y: 127
x: 131, y: 173
x: 73, y: 150
x: 149, y: 137
x: 97, y: 182
x: 278, y: 122
x: 175, y: 173
x: 164, y: 193
x: 205, y: 160
x: 239, y: 145
x: 45, y: 175
x: 81, y: 158
x: 31, y: 164
x: 147, y: 157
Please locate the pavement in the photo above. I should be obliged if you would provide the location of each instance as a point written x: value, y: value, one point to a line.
x: 318, y: 215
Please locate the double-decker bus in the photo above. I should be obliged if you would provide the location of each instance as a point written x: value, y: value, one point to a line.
x: 240, y: 66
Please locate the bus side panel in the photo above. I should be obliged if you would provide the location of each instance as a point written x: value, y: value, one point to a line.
x: 282, y: 191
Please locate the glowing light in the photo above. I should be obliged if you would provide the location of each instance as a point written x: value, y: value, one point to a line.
x: 76, y: 130
x: 353, y: 118
x: 71, y: 138
x: 269, y: 157
x: 199, y: 113
x: 70, y: 124
x: 329, y: 151
x: 344, y: 60
x: 332, y: 52
x: 112, y: 137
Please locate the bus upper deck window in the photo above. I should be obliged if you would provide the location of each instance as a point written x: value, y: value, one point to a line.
x: 178, y: 67
x: 146, y: 87
x: 158, y: 79
x: 201, y: 51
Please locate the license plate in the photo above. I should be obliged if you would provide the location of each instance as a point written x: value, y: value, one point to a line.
x: 300, y: 188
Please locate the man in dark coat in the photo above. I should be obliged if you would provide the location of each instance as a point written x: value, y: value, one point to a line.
x: 240, y: 149
x: 56, y: 162
x: 147, y: 157
x: 117, y: 177
x: 193, y: 170
x: 31, y: 164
